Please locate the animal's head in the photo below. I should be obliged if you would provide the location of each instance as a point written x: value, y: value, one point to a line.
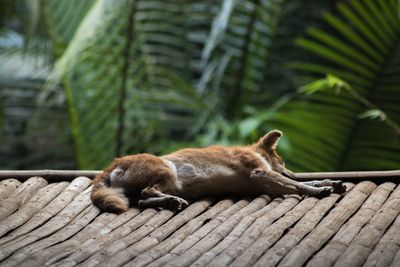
x: 266, y: 146
x: 135, y: 172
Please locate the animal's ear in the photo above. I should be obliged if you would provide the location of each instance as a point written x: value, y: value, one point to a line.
x: 270, y: 140
x: 116, y: 160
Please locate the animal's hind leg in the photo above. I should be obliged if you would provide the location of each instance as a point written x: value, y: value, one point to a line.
x: 153, y: 198
x: 277, y: 184
x: 338, y: 186
x: 170, y: 203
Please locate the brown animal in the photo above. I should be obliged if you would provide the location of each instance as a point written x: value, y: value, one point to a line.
x: 191, y: 173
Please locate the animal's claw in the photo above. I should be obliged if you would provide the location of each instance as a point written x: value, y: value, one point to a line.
x: 176, y: 203
x: 325, y: 191
x: 339, y: 187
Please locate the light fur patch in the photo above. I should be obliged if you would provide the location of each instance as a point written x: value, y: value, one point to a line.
x: 172, y: 166
x: 116, y: 176
x: 121, y: 194
x: 263, y: 160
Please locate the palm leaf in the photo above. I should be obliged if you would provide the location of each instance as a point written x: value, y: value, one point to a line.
x: 160, y: 71
x: 62, y: 19
x: 131, y: 87
x: 362, y: 47
x: 240, y: 39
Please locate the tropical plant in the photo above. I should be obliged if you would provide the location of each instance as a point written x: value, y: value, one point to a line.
x: 140, y: 75
x: 25, y: 56
x: 126, y: 85
x: 152, y: 76
x: 361, y: 47
x: 333, y: 83
x: 62, y: 18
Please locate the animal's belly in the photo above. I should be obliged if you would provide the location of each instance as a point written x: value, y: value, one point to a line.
x: 195, y: 187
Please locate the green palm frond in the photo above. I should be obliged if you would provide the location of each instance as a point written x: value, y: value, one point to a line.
x: 96, y: 69
x: 141, y: 72
x: 62, y: 19
x: 40, y: 26
x: 239, y: 45
x: 128, y: 84
x: 362, y: 47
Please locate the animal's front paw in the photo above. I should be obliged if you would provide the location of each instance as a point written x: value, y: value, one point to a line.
x: 174, y: 203
x: 324, y: 191
x: 338, y: 187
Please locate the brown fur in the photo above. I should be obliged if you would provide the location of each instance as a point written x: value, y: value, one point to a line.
x: 195, y: 172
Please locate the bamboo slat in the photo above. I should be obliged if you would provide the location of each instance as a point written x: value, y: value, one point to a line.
x: 211, y: 233
x: 272, y: 233
x: 94, y: 230
x: 235, y: 233
x: 338, y: 244
x: 117, y: 228
x: 33, y: 206
x: 362, y: 245
x: 217, y: 234
x: 375, y: 176
x: 180, y: 235
x: 299, y: 231
x: 386, y: 249
x: 329, y: 225
x: 135, y: 236
x: 21, y: 195
x: 254, y: 231
x: 59, y: 251
x: 50, y: 175
x: 57, y: 225
x: 199, y: 234
x: 396, y: 260
x: 122, y: 256
x: 55, y: 206
x: 8, y: 187
x: 54, y: 224
x: 32, y: 254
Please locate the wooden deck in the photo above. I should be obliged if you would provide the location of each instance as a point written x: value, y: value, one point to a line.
x: 55, y: 224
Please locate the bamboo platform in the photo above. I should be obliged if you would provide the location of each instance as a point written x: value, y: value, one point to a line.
x: 55, y: 224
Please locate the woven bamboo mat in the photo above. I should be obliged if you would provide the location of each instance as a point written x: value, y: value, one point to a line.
x: 55, y: 224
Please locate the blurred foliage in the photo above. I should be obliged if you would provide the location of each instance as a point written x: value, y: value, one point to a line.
x: 62, y: 19
x: 154, y: 76
x: 7, y: 12
x: 25, y: 63
x: 168, y: 68
x: 361, y: 47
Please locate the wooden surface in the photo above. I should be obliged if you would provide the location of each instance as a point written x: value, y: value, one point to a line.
x: 55, y: 224
x: 68, y: 175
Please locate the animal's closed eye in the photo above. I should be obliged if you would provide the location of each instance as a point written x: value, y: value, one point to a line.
x: 117, y: 172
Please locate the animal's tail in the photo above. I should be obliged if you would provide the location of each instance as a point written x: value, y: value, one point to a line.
x: 109, y: 199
